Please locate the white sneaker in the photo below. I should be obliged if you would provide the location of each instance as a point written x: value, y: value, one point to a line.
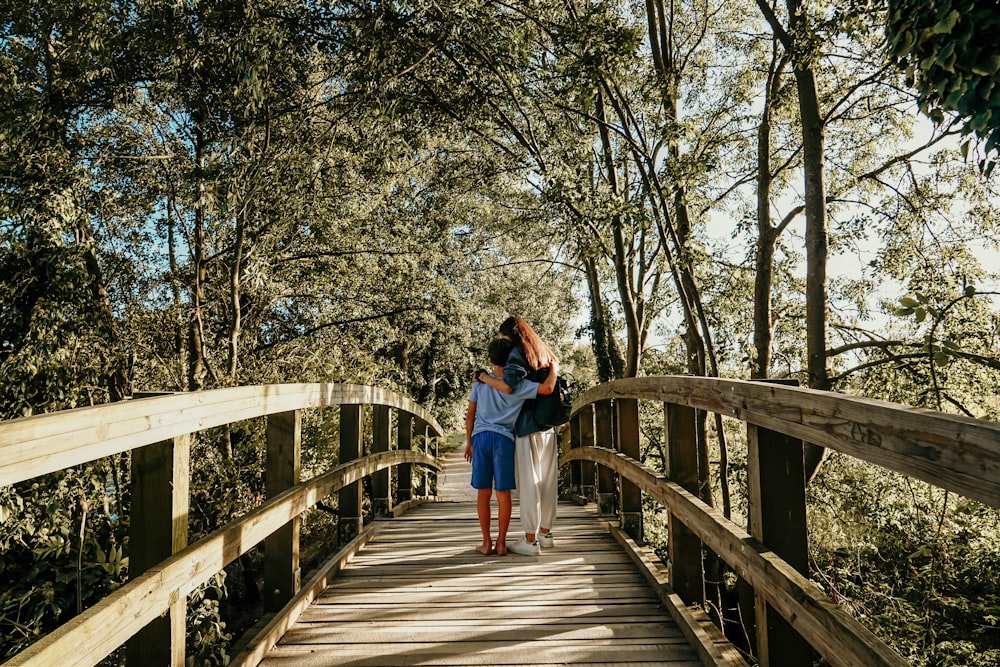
x: 546, y: 541
x: 526, y: 548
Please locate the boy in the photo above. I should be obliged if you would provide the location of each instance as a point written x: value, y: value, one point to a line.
x: 489, y: 442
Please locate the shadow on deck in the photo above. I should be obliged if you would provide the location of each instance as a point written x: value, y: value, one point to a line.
x: 419, y: 594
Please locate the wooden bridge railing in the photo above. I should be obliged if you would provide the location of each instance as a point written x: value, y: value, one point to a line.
x: 950, y: 451
x: 148, y: 613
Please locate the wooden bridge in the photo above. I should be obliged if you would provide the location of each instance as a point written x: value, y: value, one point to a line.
x: 406, y: 587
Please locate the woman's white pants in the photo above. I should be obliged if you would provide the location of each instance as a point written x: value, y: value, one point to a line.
x: 536, y: 458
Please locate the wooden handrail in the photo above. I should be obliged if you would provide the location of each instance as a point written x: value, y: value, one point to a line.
x: 953, y: 452
x: 785, y: 614
x: 91, y: 636
x: 149, y: 611
x: 839, y: 638
x: 33, y: 446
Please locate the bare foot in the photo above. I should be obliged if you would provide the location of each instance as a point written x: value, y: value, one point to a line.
x: 486, y: 548
x: 501, y: 548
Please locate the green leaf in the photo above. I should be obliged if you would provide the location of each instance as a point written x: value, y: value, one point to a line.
x: 987, y: 66
x: 942, y: 358
x: 909, y: 302
x: 903, y: 312
x: 970, y: 291
x: 921, y: 314
x: 946, y: 24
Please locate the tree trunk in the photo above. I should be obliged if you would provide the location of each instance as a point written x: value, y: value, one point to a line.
x: 767, y: 234
x: 626, y: 290
x: 610, y: 363
x: 196, y: 345
x: 236, y: 319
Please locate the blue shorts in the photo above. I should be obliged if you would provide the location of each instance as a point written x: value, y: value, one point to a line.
x: 492, y: 460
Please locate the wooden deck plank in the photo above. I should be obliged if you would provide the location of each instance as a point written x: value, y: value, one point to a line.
x: 484, y: 653
x: 419, y: 594
x: 611, y: 613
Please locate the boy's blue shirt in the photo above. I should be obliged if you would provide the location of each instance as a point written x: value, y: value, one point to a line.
x: 497, y: 411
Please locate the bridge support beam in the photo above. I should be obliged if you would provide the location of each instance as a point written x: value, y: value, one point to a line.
x: 627, y: 410
x: 158, y: 528
x: 680, y: 430
x: 588, y: 469
x: 575, y: 467
x: 349, y: 498
x: 381, y: 480
x: 282, y: 574
x: 777, y: 517
x: 607, y: 480
x: 404, y: 440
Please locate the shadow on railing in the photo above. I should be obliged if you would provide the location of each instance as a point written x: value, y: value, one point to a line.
x: 148, y: 613
x: 787, y: 616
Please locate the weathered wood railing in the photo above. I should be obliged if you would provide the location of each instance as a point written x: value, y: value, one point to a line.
x: 148, y: 613
x: 792, y: 614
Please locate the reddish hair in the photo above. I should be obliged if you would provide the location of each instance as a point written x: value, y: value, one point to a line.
x: 536, y: 352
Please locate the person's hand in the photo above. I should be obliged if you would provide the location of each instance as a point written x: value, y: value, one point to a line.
x: 477, y: 375
x: 468, y: 452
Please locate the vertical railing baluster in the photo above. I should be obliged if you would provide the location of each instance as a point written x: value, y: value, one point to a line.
x: 158, y: 528
x: 575, y: 475
x: 381, y: 486
x: 281, y: 549
x: 630, y: 496
x: 349, y: 498
x: 404, y: 440
x: 777, y: 517
x: 587, y: 472
x: 607, y: 479
x: 422, y: 431
x: 681, y: 466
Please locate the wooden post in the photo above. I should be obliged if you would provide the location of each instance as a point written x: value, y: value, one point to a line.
x: 607, y: 479
x: 432, y: 449
x: 777, y: 517
x: 158, y: 528
x: 404, y: 440
x: 420, y: 430
x: 575, y: 475
x: 349, y: 497
x: 381, y: 480
x: 627, y: 410
x: 684, y: 548
x: 588, y: 473
x: 282, y: 574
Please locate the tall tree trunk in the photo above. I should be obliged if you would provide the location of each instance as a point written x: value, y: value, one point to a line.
x: 610, y: 362
x: 795, y: 41
x: 117, y: 378
x: 767, y: 234
x: 196, y: 343
x: 175, y: 287
x: 60, y: 106
x: 236, y: 319
x: 626, y: 289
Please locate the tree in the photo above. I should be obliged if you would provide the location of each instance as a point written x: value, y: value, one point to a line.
x: 951, y: 55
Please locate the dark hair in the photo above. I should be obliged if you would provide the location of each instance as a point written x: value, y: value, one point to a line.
x: 499, y: 350
x: 536, y: 352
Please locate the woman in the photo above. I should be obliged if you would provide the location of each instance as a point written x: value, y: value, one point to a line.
x: 536, y: 450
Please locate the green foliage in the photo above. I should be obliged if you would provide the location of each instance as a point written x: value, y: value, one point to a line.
x: 49, y: 338
x: 951, y: 53
x: 957, y: 334
x: 48, y: 572
x: 918, y: 566
x: 207, y: 637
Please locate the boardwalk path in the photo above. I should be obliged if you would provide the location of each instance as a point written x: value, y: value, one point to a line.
x: 419, y: 594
